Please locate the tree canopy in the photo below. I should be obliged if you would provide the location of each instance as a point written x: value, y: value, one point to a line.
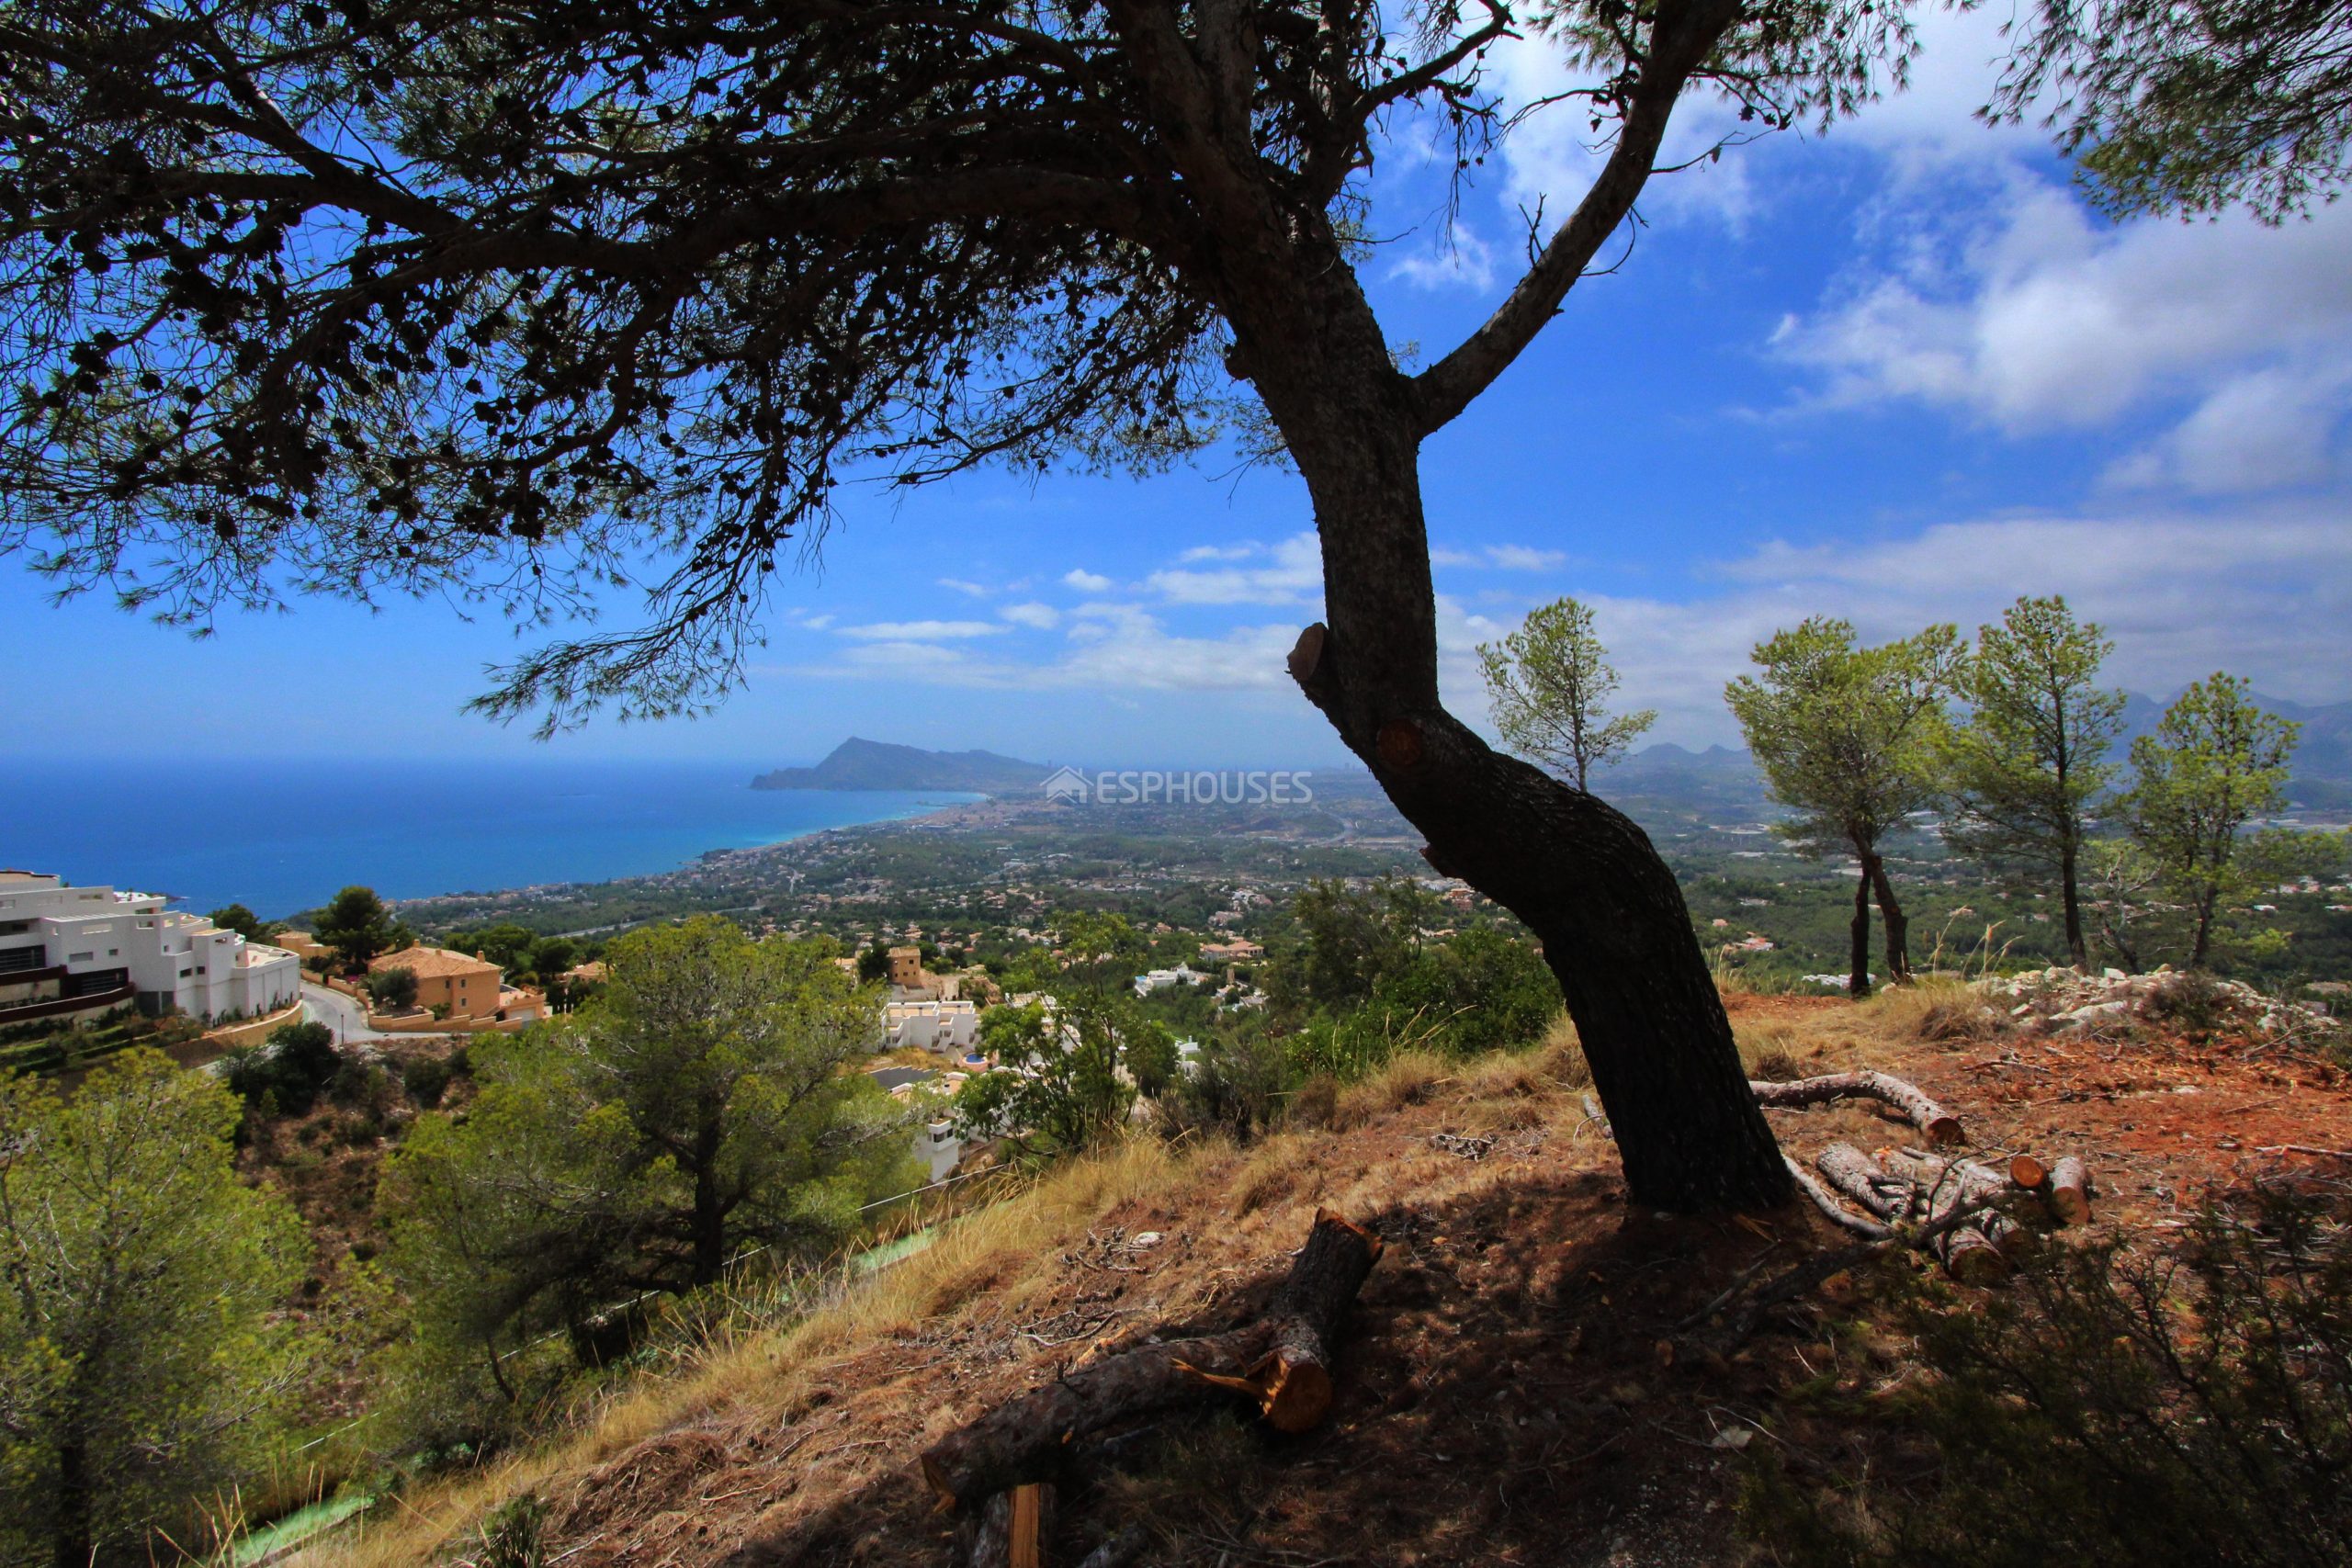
x: 701, y: 1106
x: 2022, y: 772
x: 1549, y: 685
x: 1847, y: 737
x: 364, y: 298
x: 139, y: 1280
x: 2191, y: 108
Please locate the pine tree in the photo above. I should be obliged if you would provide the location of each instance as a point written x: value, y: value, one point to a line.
x: 2022, y: 772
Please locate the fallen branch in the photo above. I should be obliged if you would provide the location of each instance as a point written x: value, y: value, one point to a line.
x: 1282, y: 1362
x: 2305, y: 1149
x: 1860, y: 1225
x: 1851, y: 1172
x: 1924, y: 1113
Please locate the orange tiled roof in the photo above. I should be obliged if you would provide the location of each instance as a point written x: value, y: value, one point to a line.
x: 432, y: 962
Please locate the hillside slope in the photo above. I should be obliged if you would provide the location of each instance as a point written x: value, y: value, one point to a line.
x: 1519, y: 1383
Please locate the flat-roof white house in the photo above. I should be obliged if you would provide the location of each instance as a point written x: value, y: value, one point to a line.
x: 68, y: 952
x: 944, y: 1027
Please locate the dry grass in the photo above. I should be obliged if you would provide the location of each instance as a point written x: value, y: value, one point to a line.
x: 776, y: 1375
x: 994, y: 1271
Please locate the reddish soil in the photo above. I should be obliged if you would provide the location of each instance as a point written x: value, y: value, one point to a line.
x: 1523, y: 1380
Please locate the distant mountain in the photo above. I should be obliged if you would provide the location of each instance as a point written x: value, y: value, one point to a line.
x: 877, y: 765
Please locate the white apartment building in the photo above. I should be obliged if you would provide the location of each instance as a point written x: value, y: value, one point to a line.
x: 944, y: 1027
x: 67, y: 950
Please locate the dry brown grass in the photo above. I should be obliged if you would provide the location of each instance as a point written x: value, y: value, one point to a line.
x: 777, y: 1375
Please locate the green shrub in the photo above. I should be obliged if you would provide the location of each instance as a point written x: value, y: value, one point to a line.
x: 298, y: 1061
x: 426, y: 1080
x: 393, y: 989
x: 2113, y: 1407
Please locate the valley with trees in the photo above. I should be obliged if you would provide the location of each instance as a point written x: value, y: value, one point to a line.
x: 1506, y: 1170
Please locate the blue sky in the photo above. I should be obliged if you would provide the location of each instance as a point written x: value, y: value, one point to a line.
x: 1900, y: 373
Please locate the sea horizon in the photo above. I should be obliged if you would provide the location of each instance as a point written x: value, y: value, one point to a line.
x: 283, y: 835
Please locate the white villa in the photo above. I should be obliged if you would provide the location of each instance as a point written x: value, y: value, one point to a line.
x: 69, y: 952
x: 1152, y: 980
x: 948, y: 1028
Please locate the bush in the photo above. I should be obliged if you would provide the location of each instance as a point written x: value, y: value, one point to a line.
x: 392, y: 989
x: 2116, y: 1408
x: 299, y: 1060
x: 426, y: 1080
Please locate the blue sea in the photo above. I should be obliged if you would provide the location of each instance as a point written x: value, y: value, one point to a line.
x: 280, y: 837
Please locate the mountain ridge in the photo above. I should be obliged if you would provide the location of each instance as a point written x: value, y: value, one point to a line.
x: 859, y: 764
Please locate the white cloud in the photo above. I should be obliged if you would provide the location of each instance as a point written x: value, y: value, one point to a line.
x: 1502, y: 558
x: 817, y: 623
x: 1086, y: 581
x: 920, y: 631
x: 1042, y: 616
x: 1292, y: 575
x: 961, y: 586
x: 2049, y: 320
x: 2256, y: 593
x: 1456, y: 258
x: 1222, y: 552
x: 2267, y: 428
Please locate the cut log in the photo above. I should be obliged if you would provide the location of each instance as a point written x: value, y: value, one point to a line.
x: 1974, y: 1249
x: 2028, y: 1172
x: 1924, y: 1113
x: 1282, y: 1362
x: 1860, y: 1225
x: 2069, y: 1191
x: 1942, y: 1182
x: 1851, y: 1172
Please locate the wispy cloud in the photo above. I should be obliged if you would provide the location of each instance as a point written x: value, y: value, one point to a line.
x: 962, y: 586
x: 2037, y: 316
x: 1086, y: 581
x: 920, y: 631
x: 1292, y: 575
x: 1223, y: 552
x: 1043, y: 617
x: 1501, y: 558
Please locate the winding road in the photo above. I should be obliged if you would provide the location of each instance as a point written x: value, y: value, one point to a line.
x: 340, y: 1013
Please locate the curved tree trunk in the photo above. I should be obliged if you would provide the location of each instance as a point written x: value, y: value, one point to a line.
x: 1585, y: 879
x: 1891, y: 915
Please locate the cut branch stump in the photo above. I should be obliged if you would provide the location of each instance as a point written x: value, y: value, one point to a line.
x: 1282, y: 1362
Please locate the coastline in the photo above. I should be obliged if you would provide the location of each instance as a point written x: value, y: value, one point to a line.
x: 281, y: 836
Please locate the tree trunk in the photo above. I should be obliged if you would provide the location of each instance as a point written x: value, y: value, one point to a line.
x: 1613, y: 926
x: 2203, y: 942
x: 1584, y: 878
x: 70, y: 1546
x: 1891, y: 915
x: 1858, y: 972
x: 2077, y: 948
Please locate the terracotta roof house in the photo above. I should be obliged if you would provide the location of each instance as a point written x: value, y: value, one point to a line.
x: 469, y: 988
